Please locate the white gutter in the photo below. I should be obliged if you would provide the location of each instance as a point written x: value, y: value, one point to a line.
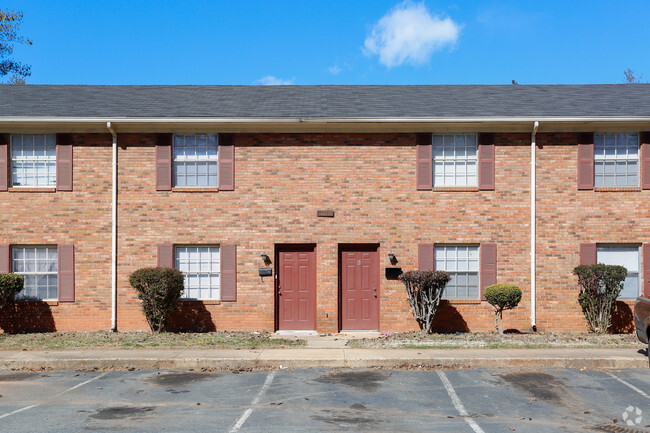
x: 533, y: 227
x: 114, y: 233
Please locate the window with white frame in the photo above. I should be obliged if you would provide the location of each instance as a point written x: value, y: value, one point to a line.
x: 33, y: 160
x: 39, y: 266
x: 196, y: 160
x: 455, y: 159
x: 616, y: 160
x: 201, y: 266
x: 461, y: 262
x: 627, y: 256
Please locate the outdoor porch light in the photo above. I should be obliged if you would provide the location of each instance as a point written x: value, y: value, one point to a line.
x: 392, y: 258
x: 265, y: 257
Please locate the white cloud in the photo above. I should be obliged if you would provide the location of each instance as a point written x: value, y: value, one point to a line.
x: 270, y: 80
x: 334, y: 70
x: 408, y: 33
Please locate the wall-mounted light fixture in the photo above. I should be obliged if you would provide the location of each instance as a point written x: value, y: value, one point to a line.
x: 391, y: 258
x: 265, y: 257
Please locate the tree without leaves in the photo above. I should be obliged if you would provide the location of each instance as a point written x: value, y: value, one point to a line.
x: 10, y: 22
x: 631, y: 77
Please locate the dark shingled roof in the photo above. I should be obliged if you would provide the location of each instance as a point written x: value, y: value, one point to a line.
x: 621, y: 100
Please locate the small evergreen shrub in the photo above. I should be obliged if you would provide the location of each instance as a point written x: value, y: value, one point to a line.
x: 502, y: 297
x: 600, y: 286
x: 425, y: 289
x: 10, y: 286
x: 159, y: 289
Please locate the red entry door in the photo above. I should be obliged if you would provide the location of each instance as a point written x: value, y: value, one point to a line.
x: 360, y: 288
x: 296, y: 288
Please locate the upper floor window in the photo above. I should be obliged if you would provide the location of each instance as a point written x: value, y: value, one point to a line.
x: 33, y: 160
x: 455, y: 160
x: 627, y: 256
x: 461, y: 262
x: 196, y: 160
x: 616, y: 160
x: 201, y: 266
x: 39, y: 266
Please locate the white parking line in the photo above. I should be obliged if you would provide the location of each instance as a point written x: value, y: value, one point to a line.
x: 244, y: 416
x: 629, y: 385
x: 56, y: 395
x: 458, y: 404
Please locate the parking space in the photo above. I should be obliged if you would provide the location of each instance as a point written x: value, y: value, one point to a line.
x: 327, y: 400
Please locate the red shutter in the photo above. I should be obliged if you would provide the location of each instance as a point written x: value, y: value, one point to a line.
x: 587, y: 254
x: 66, y: 273
x: 226, y: 162
x: 645, y: 159
x: 586, y: 160
x: 486, y: 161
x: 424, y: 161
x: 164, y: 162
x: 4, y: 161
x: 426, y: 260
x: 488, y: 266
x: 64, y: 162
x: 5, y: 259
x: 229, y: 273
x: 646, y: 270
x: 166, y: 256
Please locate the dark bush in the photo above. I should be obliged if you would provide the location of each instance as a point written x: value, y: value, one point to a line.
x: 159, y: 289
x: 600, y: 286
x: 502, y: 297
x: 10, y: 286
x: 425, y: 289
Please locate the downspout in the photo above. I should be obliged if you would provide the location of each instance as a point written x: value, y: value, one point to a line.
x: 114, y: 233
x: 533, y: 227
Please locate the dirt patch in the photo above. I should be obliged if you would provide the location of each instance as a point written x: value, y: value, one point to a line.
x: 180, y: 379
x: 542, y: 386
x: 350, y: 420
x: 17, y: 376
x: 368, y: 381
x: 122, y: 412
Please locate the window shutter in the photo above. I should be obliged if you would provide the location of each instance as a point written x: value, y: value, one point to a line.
x: 586, y: 160
x: 4, y: 161
x: 164, y: 162
x: 587, y: 254
x: 646, y: 270
x: 426, y: 260
x: 229, y: 273
x: 66, y: 273
x: 488, y: 266
x: 424, y: 161
x: 166, y: 256
x: 64, y: 162
x: 645, y: 159
x: 5, y: 259
x: 486, y: 161
x: 226, y: 162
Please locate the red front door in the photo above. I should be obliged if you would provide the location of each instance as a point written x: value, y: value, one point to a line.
x: 360, y: 287
x: 296, y: 287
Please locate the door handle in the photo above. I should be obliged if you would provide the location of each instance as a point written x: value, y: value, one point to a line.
x: 279, y: 292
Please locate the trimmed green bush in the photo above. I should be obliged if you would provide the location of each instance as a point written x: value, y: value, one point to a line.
x: 600, y: 286
x: 425, y: 290
x: 502, y: 297
x: 10, y: 286
x: 159, y: 289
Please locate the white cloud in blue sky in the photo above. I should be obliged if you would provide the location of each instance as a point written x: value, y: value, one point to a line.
x: 270, y: 80
x: 408, y: 33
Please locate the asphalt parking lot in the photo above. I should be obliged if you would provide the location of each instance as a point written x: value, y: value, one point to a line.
x: 479, y: 400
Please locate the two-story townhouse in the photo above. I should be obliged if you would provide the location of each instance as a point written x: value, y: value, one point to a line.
x: 295, y: 207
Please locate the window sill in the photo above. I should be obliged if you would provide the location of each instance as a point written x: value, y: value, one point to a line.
x: 204, y: 302
x: 616, y: 188
x: 194, y: 189
x: 31, y: 189
x: 461, y: 301
x: 455, y: 189
x: 50, y: 303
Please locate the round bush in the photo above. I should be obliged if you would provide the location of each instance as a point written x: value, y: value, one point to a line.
x: 10, y: 286
x: 159, y: 289
x: 503, y: 296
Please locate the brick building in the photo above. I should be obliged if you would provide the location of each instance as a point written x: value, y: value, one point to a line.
x: 290, y: 207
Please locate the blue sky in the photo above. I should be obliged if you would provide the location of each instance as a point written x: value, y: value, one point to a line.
x: 334, y: 42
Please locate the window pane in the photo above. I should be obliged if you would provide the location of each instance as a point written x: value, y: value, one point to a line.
x: 200, y: 266
x: 33, y: 160
x: 195, y: 160
x: 461, y: 262
x: 627, y: 256
x: 454, y: 159
x: 39, y: 267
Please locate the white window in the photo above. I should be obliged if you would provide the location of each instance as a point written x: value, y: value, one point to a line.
x: 195, y: 160
x: 202, y: 268
x: 455, y: 160
x: 616, y: 159
x: 39, y: 266
x: 33, y: 160
x: 461, y: 263
x: 623, y: 255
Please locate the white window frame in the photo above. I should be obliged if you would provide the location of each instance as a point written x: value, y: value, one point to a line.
x: 615, y: 158
x: 191, y: 158
x: 195, y: 273
x: 473, y: 267
x: 455, y: 160
x: 51, y: 253
x: 634, y: 273
x: 27, y: 163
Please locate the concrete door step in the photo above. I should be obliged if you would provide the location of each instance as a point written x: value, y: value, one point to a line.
x: 284, y: 333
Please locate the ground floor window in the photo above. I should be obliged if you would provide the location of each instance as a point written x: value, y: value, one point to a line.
x: 39, y: 266
x: 201, y: 266
x: 462, y: 264
x: 623, y: 255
